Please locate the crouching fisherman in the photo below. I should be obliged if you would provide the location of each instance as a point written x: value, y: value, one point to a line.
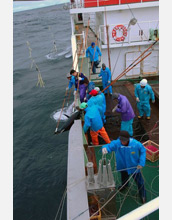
x: 83, y: 84
x: 127, y: 114
x: 130, y: 157
x: 94, y: 121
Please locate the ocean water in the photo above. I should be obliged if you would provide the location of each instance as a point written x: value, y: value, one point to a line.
x: 39, y: 156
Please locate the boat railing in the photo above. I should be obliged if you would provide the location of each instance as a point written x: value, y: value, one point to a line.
x: 142, y: 31
x: 100, y: 3
x: 80, y: 44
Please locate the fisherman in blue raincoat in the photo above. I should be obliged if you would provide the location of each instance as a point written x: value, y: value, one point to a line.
x: 103, y: 102
x: 144, y: 93
x: 71, y: 81
x: 127, y: 114
x: 93, y: 52
x: 105, y: 73
x: 130, y: 158
x: 93, y: 120
x: 91, y: 86
x: 97, y: 100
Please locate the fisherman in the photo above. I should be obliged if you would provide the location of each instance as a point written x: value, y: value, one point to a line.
x: 105, y: 73
x: 71, y: 81
x: 93, y: 52
x: 144, y: 93
x: 103, y: 102
x: 130, y: 157
x: 97, y: 100
x: 91, y: 86
x: 93, y: 121
x: 127, y: 114
x: 83, y: 82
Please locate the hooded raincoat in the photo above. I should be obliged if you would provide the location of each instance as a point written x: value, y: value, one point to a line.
x: 106, y: 77
x: 144, y: 95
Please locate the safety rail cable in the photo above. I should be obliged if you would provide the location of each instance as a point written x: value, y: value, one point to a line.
x: 132, y: 65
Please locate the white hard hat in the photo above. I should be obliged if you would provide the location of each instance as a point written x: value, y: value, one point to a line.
x: 97, y: 89
x: 143, y: 82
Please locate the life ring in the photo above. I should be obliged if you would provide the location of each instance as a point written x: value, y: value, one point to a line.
x: 124, y: 34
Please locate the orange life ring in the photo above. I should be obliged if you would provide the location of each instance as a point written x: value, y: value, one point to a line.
x: 124, y: 34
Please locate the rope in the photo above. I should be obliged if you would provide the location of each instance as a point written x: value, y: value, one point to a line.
x: 61, y: 112
x: 112, y: 196
x: 61, y: 202
x: 33, y: 63
x: 132, y: 65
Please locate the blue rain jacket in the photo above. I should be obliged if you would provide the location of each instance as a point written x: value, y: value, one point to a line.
x: 92, y: 118
x: 128, y: 156
x: 106, y: 75
x: 71, y: 82
x: 104, y: 101
x: 144, y: 94
x: 91, y: 86
x: 93, y: 53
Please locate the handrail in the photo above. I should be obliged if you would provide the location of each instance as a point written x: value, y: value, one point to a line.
x: 100, y: 3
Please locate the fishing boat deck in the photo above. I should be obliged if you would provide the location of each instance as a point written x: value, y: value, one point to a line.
x: 144, y: 130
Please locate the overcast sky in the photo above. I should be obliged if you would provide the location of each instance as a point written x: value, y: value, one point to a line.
x: 24, y: 5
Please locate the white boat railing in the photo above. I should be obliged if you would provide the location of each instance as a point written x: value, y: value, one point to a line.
x: 80, y: 44
x: 142, y: 211
x: 138, y: 33
x: 100, y: 3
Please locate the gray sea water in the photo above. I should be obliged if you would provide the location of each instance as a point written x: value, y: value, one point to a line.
x: 39, y: 156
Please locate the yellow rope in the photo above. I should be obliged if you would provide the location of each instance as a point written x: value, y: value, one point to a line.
x: 33, y: 63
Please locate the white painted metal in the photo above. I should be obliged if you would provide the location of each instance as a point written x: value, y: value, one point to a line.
x: 150, y: 66
x: 142, y: 211
x: 77, y: 201
x: 130, y: 57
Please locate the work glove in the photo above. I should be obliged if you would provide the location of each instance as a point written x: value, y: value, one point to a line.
x: 114, y: 109
x: 108, y: 81
x: 139, y: 167
x: 67, y: 88
x: 137, y: 99
x: 104, y: 151
x: 74, y: 92
x: 153, y: 101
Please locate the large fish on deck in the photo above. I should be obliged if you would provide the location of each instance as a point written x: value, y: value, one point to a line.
x: 68, y: 123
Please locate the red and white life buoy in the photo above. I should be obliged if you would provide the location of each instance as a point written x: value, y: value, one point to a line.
x: 124, y: 33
